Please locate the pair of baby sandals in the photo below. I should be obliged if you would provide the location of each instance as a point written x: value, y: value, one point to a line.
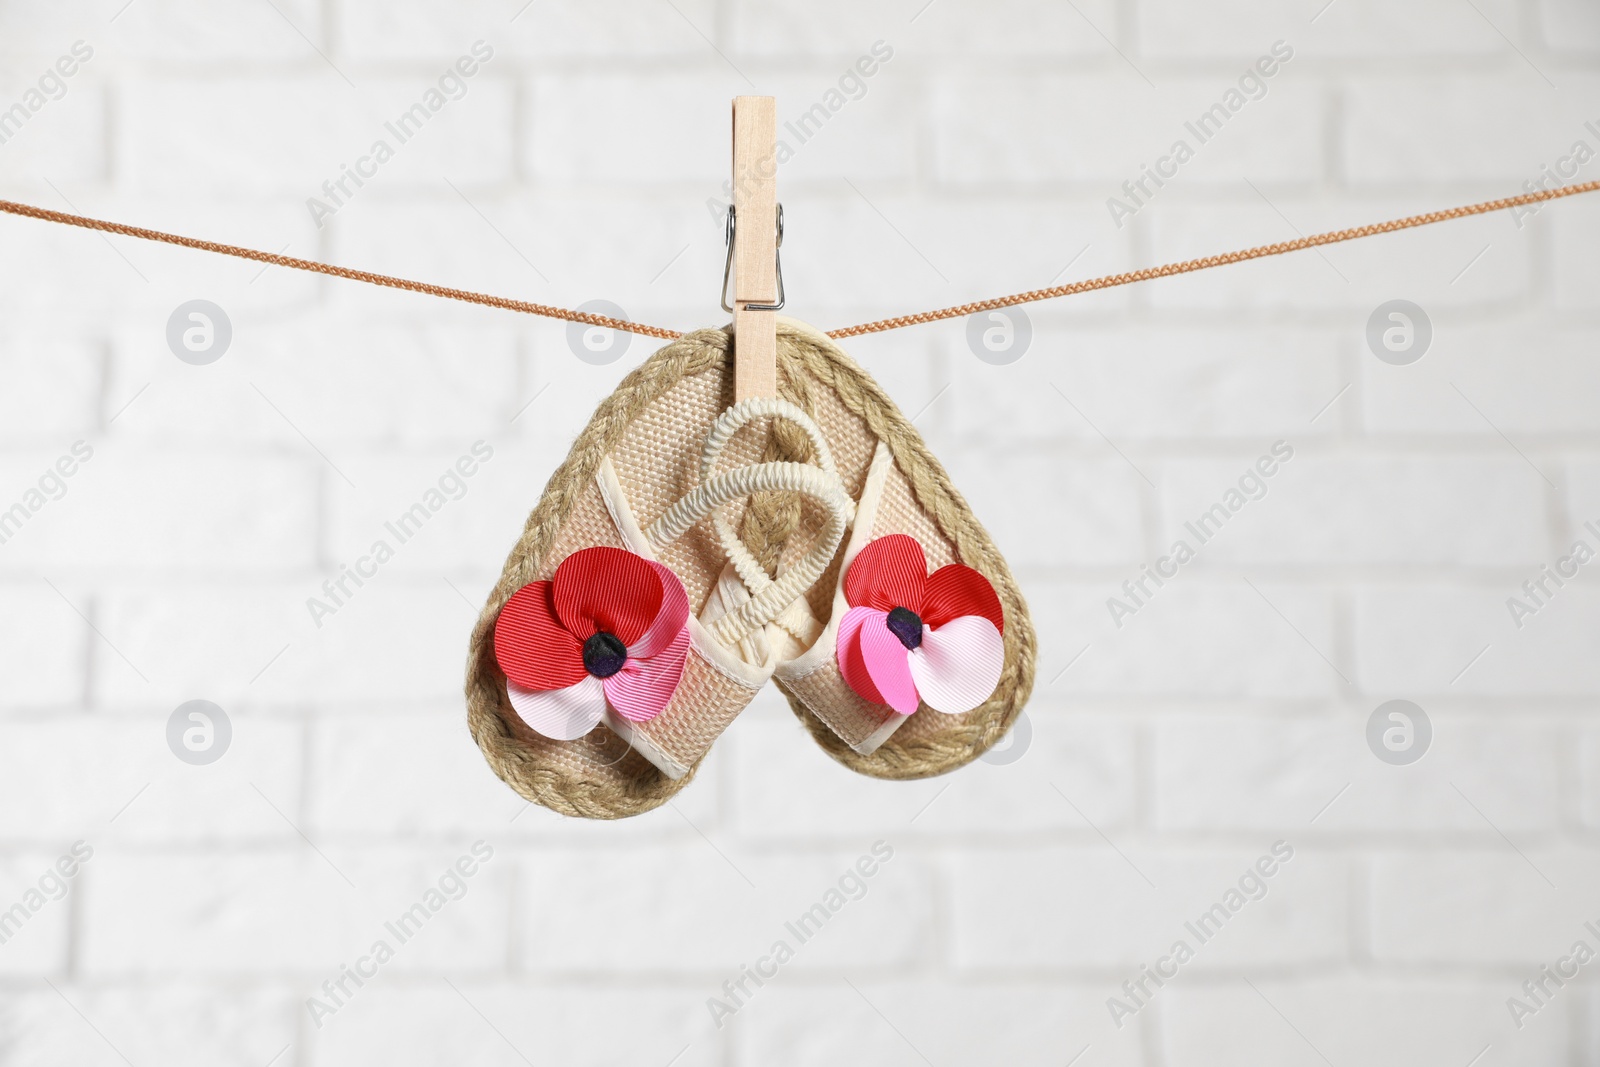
x: 688, y: 552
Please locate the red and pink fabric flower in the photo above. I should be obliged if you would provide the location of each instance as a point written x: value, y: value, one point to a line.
x: 609, y: 629
x: 912, y: 637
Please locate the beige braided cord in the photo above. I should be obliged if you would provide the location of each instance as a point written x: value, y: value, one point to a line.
x: 771, y: 519
x: 959, y: 311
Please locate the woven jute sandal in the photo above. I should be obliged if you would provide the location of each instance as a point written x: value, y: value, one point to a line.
x: 919, y: 585
x: 688, y: 550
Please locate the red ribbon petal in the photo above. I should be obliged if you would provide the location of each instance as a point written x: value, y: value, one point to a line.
x: 954, y: 591
x: 891, y: 572
x: 530, y: 644
x: 606, y: 589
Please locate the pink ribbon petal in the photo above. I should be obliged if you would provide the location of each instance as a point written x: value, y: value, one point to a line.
x: 958, y: 665
x: 886, y: 658
x: 642, y: 688
x: 669, y: 620
x: 560, y: 714
x: 847, y: 649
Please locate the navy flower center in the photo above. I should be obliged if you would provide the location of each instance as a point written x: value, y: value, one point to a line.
x: 604, y: 655
x: 907, y: 626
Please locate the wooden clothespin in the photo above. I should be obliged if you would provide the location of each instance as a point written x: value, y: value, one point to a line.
x: 755, y: 230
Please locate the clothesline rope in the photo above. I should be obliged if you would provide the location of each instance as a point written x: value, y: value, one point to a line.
x: 1190, y: 265
x: 29, y: 211
x: 959, y: 311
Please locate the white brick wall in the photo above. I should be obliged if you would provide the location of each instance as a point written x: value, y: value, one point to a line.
x: 1166, y: 754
